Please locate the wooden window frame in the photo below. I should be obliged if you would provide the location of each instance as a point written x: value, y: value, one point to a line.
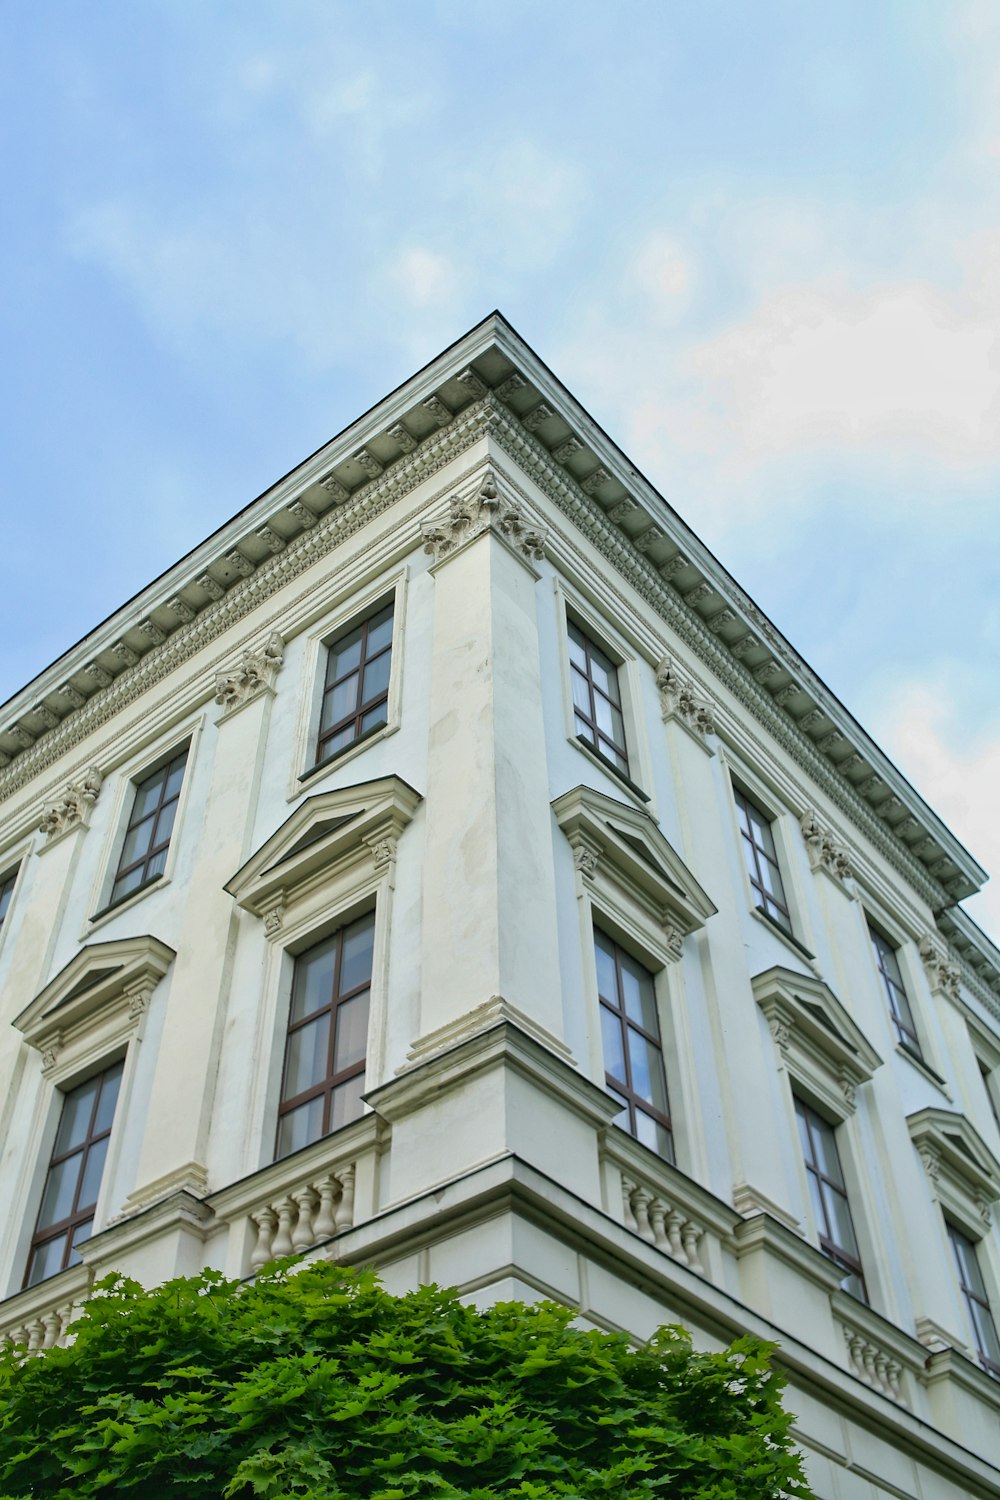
x: 325, y: 1087
x: 363, y: 707
x: 900, y: 1010
x: 831, y: 1247
x: 594, y: 736
x: 623, y: 1088
x: 765, y: 899
x: 975, y: 1297
x: 156, y: 847
x: 68, y: 1227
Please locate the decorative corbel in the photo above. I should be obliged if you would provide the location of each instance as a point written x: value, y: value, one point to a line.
x: 824, y: 851
x: 484, y: 510
x: 73, y: 808
x: 254, y: 675
x: 943, y: 977
x: 679, y: 700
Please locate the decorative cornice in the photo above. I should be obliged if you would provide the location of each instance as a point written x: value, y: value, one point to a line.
x: 483, y: 510
x: 254, y: 675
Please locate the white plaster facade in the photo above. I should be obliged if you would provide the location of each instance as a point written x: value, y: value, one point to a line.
x: 487, y: 838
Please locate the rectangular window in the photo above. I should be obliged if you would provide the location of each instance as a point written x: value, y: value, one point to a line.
x: 356, y: 686
x: 147, y: 837
x: 828, y: 1195
x: 6, y: 891
x: 970, y: 1279
x: 597, y: 703
x: 984, y: 1073
x: 633, y: 1053
x: 324, y: 1075
x: 66, y: 1217
x: 762, y: 860
x: 892, y: 981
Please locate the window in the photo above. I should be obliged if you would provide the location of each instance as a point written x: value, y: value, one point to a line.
x: 633, y: 1055
x: 6, y: 891
x: 828, y: 1195
x: 892, y: 980
x: 984, y: 1073
x: 762, y: 860
x: 327, y: 1037
x: 73, y: 1182
x: 147, y: 837
x: 356, y: 687
x: 970, y: 1279
x: 597, y: 704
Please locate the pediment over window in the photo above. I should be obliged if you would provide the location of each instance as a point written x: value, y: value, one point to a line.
x: 621, y: 849
x: 95, y: 1002
x: 331, y: 836
x: 964, y: 1173
x: 823, y: 1048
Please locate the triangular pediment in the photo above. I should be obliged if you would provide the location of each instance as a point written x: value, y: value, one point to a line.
x: 99, y: 977
x: 324, y: 832
x: 627, y: 841
x: 826, y: 1051
x: 956, y: 1156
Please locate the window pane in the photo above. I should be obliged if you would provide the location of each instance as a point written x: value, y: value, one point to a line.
x: 129, y: 882
x: 165, y: 823
x: 647, y: 1071
x: 155, y: 866
x: 852, y: 1283
x: 346, y: 1102
x: 47, y: 1259
x: 108, y: 1099
x: 581, y: 691
x: 374, y: 717
x: 356, y: 964
x: 825, y: 1146
x: 607, y: 982
x: 614, y: 1051
x: 577, y: 650
x: 93, y: 1171
x: 621, y: 1119
x: 351, y: 1039
x: 345, y: 655
x: 300, y: 1126
x: 987, y: 1341
x: 583, y: 729
x: 147, y: 796
x: 137, y: 842
x: 603, y: 716
x: 376, y: 677
x: 81, y: 1234
x: 74, y: 1123
x: 638, y: 994
x: 313, y: 984
x: 841, y: 1228
x: 60, y: 1188
x: 307, y: 1055
x: 654, y: 1135
x: 338, y: 741
x: 380, y: 630
x: 175, y: 775
x: 340, y: 701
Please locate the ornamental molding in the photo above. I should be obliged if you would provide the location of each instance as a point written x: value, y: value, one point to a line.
x: 253, y: 677
x: 822, y: 1047
x: 73, y: 809
x: 963, y: 1173
x: 825, y: 852
x: 678, y: 699
x: 483, y: 510
x: 942, y: 976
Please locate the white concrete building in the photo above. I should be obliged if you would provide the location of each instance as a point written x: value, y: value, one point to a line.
x: 446, y: 865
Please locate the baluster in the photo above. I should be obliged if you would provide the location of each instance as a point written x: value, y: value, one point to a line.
x: 36, y: 1333
x: 53, y: 1328
x: 657, y: 1214
x: 881, y: 1372
x: 869, y: 1362
x: 344, y: 1216
x: 266, y: 1221
x: 640, y: 1202
x: 855, y: 1348
x: 302, y: 1235
x: 65, y: 1319
x: 628, y: 1188
x: 894, y: 1375
x: 326, y: 1224
x: 674, y: 1222
x: 691, y: 1235
x: 283, y: 1239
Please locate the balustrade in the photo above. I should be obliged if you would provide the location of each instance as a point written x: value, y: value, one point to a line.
x: 303, y: 1217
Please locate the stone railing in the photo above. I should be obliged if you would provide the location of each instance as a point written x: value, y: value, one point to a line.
x: 663, y: 1206
x: 883, y: 1356
x: 38, y: 1318
x: 293, y: 1205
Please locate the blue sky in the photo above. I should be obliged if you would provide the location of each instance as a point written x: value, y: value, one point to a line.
x: 761, y: 242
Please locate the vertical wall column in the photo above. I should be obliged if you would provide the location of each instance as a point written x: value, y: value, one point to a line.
x: 489, y: 915
x: 180, y: 1102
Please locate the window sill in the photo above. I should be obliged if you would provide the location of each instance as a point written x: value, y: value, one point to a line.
x: 923, y: 1068
x: 363, y: 742
x: 774, y: 926
x: 608, y: 765
x: 114, y: 907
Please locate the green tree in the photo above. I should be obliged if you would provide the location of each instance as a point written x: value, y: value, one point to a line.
x: 315, y: 1382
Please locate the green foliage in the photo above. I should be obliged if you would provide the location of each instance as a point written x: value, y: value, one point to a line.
x: 315, y: 1383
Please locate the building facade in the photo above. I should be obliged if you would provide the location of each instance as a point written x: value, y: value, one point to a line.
x: 446, y: 867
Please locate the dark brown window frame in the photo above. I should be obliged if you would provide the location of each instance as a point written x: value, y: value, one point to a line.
x: 623, y: 1088
x: 839, y: 1254
x: 900, y: 1010
x: 769, y: 902
x: 156, y: 846
x: 595, y: 737
x: 80, y: 1214
x: 974, y: 1297
x: 326, y: 1086
x: 362, y: 708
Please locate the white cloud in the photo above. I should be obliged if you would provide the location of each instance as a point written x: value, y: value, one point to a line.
x: 957, y: 774
x: 423, y: 278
